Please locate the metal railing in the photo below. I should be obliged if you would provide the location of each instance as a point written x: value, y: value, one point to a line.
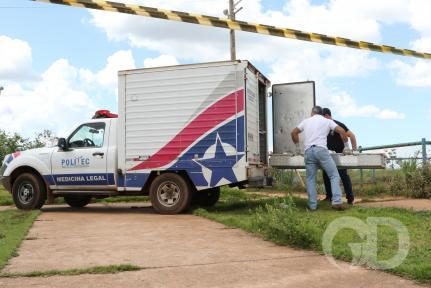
x: 422, y: 143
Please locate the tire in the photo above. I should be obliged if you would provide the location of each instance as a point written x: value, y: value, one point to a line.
x: 170, y: 194
x: 77, y: 201
x: 207, y: 198
x: 29, y: 192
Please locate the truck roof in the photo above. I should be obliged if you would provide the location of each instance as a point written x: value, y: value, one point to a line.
x: 196, y: 65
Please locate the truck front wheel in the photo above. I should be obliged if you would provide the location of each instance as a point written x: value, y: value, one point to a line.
x: 28, y: 192
x: 170, y: 194
x: 77, y: 201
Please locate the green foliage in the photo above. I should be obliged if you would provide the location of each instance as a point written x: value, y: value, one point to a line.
x: 416, y: 183
x: 411, y: 165
x: 5, y: 197
x: 10, y: 143
x: 282, y: 222
x: 111, y: 269
x: 14, y: 226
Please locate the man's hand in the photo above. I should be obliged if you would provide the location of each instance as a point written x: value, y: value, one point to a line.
x: 295, y: 135
x: 297, y: 149
x: 347, y: 150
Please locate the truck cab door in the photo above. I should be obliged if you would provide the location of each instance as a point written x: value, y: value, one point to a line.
x: 292, y: 103
x: 84, y: 164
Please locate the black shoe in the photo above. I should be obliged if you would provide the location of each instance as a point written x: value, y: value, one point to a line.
x: 350, y: 201
x: 329, y: 199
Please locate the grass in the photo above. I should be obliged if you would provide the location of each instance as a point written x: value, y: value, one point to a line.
x: 14, y: 226
x: 5, y: 197
x: 111, y: 269
x: 295, y: 226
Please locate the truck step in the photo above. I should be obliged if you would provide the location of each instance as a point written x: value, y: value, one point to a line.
x: 95, y: 193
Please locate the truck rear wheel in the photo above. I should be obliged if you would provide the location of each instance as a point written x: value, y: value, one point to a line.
x: 170, y: 194
x: 28, y: 192
x: 207, y: 198
x: 77, y: 201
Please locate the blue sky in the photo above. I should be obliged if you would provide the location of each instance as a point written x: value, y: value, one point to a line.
x: 383, y: 98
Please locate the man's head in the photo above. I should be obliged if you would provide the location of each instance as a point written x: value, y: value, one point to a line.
x: 327, y: 113
x: 317, y: 110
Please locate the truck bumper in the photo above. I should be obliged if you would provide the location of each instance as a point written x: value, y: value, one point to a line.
x: 257, y: 177
x: 5, y: 180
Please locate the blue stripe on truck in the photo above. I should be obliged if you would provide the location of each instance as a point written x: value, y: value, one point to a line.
x: 91, y: 179
x: 132, y: 180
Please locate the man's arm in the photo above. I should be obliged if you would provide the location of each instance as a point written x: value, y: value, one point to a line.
x: 341, y: 131
x: 295, y: 135
x: 352, y: 140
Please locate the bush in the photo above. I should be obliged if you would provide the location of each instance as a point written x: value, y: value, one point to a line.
x: 373, y: 189
x: 415, y: 183
x: 282, y: 223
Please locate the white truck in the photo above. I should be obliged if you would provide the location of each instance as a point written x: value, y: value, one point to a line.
x: 181, y: 133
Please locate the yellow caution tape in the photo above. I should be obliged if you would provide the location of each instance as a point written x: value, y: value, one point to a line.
x: 235, y: 25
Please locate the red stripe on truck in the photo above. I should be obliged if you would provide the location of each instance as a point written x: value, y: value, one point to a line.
x: 204, y: 122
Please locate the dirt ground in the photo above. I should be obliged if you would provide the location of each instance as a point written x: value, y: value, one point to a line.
x: 415, y: 204
x: 177, y: 251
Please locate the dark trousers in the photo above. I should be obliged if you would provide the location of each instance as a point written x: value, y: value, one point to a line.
x: 347, y: 183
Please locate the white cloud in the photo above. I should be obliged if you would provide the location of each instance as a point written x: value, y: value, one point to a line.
x: 59, y: 97
x: 414, y: 74
x: 15, y: 58
x: 422, y: 44
x: 419, y: 16
x: 390, y: 114
x: 51, y: 103
x: 345, y: 105
x: 162, y: 60
x: 198, y: 43
x: 309, y: 65
x: 120, y: 60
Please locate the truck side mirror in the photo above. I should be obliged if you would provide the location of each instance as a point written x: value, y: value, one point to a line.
x: 62, y: 144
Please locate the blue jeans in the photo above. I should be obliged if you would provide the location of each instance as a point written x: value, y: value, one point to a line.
x: 316, y: 157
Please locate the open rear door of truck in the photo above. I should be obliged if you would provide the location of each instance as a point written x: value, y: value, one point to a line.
x: 292, y: 103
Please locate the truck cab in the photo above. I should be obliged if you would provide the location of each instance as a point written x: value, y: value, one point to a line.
x: 81, y: 166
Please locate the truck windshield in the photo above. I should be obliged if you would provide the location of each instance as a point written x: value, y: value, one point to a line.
x: 88, y: 135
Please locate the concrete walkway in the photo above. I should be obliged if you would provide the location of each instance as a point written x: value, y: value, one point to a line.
x: 178, y: 251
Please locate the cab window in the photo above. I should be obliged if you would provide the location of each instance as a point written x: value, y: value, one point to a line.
x: 88, y: 135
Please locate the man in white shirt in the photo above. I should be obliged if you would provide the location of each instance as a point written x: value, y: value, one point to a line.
x: 316, y: 129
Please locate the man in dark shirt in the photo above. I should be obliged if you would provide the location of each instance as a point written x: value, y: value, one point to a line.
x: 338, y: 144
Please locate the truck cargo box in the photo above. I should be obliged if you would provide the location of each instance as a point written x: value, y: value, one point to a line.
x: 207, y: 120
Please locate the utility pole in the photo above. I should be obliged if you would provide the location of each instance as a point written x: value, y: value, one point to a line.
x: 231, y: 14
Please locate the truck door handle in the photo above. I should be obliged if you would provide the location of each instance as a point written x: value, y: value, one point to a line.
x: 98, y: 154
